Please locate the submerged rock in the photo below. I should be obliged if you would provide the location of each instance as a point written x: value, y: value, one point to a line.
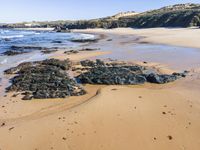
x: 16, y: 50
x: 89, y: 49
x: 77, y: 51
x: 56, y: 41
x: 13, y: 53
x: 71, y: 52
x: 84, y: 40
x: 48, y: 51
x: 44, y: 79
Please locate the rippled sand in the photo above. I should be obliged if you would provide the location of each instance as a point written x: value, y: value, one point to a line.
x: 145, y: 117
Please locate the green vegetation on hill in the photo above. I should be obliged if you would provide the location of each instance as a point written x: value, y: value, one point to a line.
x: 180, y: 15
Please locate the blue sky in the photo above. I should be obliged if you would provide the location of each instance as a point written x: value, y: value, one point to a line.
x: 29, y: 10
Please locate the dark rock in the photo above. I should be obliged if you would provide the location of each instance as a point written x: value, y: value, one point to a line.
x: 71, y: 52
x: 48, y: 51
x: 160, y: 79
x: 44, y: 79
x: 65, y: 64
x: 57, y: 41
x: 184, y: 74
x: 61, y: 29
x: 27, y: 97
x: 88, y: 63
x: 122, y: 73
x: 14, y: 70
x: 16, y: 48
x: 111, y: 76
x: 99, y: 62
x: 89, y: 49
x: 13, y: 53
x: 84, y: 40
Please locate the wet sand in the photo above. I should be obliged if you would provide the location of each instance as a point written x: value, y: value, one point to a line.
x: 141, y: 117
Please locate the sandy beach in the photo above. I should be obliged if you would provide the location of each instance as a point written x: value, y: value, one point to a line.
x: 142, y: 117
x: 187, y: 37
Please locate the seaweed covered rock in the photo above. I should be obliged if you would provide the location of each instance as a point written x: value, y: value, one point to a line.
x: 44, y: 79
x: 122, y: 74
x: 21, y: 66
x: 65, y: 64
x: 161, y: 79
x: 111, y: 76
x: 89, y: 63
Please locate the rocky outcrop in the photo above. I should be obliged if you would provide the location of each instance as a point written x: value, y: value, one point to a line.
x: 114, y: 74
x: 44, y: 79
x: 16, y: 50
x: 49, y: 78
x: 61, y: 29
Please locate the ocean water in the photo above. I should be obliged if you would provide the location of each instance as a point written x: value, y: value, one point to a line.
x: 9, y: 38
x: 49, y: 39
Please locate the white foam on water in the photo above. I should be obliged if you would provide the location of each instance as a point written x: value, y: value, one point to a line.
x: 83, y: 36
x: 5, y: 60
x: 4, y: 31
x: 87, y: 36
x: 11, y: 36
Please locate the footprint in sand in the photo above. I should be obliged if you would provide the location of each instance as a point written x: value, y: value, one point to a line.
x: 64, y: 138
x: 11, y: 128
x: 114, y: 89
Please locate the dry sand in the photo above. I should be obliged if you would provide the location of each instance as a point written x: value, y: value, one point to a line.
x: 146, y: 117
x: 187, y: 37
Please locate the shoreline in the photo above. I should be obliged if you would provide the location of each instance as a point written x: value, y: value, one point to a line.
x: 117, y: 117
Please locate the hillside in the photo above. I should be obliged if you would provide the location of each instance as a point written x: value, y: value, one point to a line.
x: 180, y: 15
